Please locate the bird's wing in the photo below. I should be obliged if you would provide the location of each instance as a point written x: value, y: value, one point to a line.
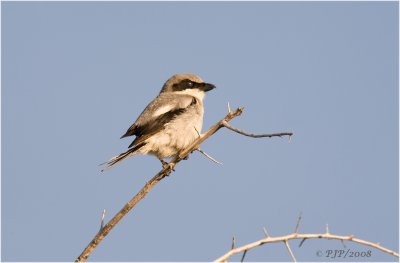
x: 156, y: 115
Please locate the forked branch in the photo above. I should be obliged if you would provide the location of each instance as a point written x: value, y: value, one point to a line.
x: 163, y: 173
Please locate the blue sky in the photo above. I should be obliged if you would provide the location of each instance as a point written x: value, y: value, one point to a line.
x: 75, y: 75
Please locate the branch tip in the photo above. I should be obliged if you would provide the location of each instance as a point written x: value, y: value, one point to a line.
x: 230, y: 127
x: 208, y: 156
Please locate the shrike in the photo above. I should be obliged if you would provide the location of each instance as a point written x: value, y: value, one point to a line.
x: 171, y: 122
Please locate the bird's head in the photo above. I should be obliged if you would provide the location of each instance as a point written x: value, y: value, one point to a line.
x: 189, y: 84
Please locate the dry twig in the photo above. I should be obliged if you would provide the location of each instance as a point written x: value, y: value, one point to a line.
x: 227, y: 125
x: 163, y: 173
x: 208, y: 156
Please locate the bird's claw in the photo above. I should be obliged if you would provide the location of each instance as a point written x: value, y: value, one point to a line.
x: 166, y: 165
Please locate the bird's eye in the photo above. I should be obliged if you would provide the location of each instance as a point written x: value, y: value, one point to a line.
x: 190, y: 84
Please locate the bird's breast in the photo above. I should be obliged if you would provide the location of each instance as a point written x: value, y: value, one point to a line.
x: 178, y: 134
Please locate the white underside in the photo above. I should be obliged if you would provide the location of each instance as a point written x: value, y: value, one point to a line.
x: 176, y: 136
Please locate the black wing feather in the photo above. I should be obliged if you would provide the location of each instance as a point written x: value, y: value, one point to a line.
x: 145, y: 131
x: 131, y: 131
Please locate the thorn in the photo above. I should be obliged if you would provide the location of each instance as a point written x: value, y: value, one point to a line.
x: 298, y: 222
x: 266, y: 233
x: 290, y: 251
x: 102, y: 219
x: 342, y: 241
x: 327, y: 229
x: 302, y: 241
x: 229, y: 108
x: 244, y: 254
x: 290, y: 138
x: 233, y: 243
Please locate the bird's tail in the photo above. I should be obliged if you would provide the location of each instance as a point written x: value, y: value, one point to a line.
x: 119, y: 158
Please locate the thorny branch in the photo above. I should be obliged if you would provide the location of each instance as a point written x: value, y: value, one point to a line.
x: 303, y: 237
x: 163, y: 173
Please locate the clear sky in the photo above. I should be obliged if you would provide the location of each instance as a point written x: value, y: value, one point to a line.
x: 75, y: 75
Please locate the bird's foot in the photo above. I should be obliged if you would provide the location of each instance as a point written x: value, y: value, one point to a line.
x: 166, y: 165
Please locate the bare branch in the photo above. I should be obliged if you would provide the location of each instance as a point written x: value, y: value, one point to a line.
x: 166, y: 171
x: 230, y: 127
x: 303, y: 236
x: 128, y: 206
x: 290, y: 251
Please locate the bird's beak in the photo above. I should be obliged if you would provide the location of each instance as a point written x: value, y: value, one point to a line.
x: 207, y: 86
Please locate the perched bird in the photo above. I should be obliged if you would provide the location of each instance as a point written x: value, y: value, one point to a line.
x: 171, y: 122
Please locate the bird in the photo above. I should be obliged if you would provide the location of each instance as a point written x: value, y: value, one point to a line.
x: 170, y: 122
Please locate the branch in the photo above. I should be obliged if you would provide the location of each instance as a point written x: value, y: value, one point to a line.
x: 303, y: 237
x: 153, y: 182
x: 227, y: 125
